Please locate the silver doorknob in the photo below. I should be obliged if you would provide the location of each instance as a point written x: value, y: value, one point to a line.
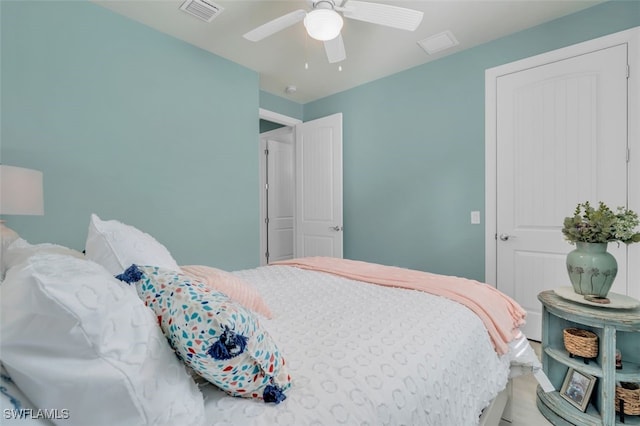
x: 337, y: 228
x: 504, y: 237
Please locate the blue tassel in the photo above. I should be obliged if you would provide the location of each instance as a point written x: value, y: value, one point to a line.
x: 273, y: 394
x: 228, y: 346
x: 131, y: 275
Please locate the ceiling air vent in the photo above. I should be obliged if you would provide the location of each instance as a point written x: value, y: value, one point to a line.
x: 201, y: 9
x: 438, y: 42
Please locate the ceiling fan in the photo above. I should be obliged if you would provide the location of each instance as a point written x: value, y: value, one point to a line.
x: 324, y: 23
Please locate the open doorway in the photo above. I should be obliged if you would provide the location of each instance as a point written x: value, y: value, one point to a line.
x: 301, y: 189
x: 277, y: 194
x: 277, y: 168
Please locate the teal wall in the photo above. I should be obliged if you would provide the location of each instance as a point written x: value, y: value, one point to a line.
x: 414, y: 148
x: 133, y: 125
x: 266, y: 126
x: 281, y: 105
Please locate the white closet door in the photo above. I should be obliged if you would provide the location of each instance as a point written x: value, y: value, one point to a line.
x: 561, y: 139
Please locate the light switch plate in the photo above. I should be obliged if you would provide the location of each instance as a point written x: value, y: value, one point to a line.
x: 475, y: 217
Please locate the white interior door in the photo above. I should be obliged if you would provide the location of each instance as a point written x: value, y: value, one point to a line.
x: 561, y: 139
x: 319, y: 225
x: 279, y: 195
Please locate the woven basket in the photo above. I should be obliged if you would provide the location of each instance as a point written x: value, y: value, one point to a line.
x: 580, y: 342
x: 631, y: 398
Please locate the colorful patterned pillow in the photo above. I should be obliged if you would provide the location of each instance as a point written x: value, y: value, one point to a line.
x: 219, y: 339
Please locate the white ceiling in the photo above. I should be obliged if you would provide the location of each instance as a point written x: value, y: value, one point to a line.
x: 373, y: 51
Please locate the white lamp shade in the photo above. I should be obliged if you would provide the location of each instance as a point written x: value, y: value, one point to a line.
x: 323, y: 24
x: 20, y: 191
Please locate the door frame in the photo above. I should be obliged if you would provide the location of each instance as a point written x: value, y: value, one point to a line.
x: 632, y: 38
x: 287, y: 121
x: 275, y: 117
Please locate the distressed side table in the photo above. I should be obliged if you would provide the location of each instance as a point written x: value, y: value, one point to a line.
x: 616, y: 329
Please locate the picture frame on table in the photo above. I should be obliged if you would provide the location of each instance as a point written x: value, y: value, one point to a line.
x: 577, y: 388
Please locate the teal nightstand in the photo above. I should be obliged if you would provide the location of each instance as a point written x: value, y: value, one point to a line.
x: 616, y: 328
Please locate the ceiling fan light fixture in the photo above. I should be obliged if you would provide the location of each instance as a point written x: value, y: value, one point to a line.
x: 323, y: 24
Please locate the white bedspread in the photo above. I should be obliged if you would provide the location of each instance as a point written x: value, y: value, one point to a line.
x: 362, y: 354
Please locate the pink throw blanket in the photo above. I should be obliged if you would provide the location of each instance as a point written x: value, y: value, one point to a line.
x: 501, y: 315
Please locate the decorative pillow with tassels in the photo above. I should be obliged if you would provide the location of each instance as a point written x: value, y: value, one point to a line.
x: 219, y: 339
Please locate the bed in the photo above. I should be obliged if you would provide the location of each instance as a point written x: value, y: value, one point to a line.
x: 356, y: 353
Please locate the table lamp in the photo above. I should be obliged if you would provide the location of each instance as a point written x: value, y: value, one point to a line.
x: 20, y: 194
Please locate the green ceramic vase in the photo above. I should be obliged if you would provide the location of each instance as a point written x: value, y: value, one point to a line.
x: 592, y: 269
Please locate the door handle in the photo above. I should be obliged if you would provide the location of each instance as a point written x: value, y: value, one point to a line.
x: 336, y: 228
x: 505, y: 237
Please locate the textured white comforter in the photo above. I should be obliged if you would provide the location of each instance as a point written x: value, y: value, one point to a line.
x: 362, y: 354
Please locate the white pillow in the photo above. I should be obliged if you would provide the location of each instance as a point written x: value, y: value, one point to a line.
x: 20, y: 250
x: 76, y: 338
x: 117, y: 246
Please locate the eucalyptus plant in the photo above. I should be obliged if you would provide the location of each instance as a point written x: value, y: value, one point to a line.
x: 601, y: 225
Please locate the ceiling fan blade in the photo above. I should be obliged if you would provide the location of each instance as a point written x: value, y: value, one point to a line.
x: 383, y: 14
x: 278, y: 24
x: 335, y: 50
